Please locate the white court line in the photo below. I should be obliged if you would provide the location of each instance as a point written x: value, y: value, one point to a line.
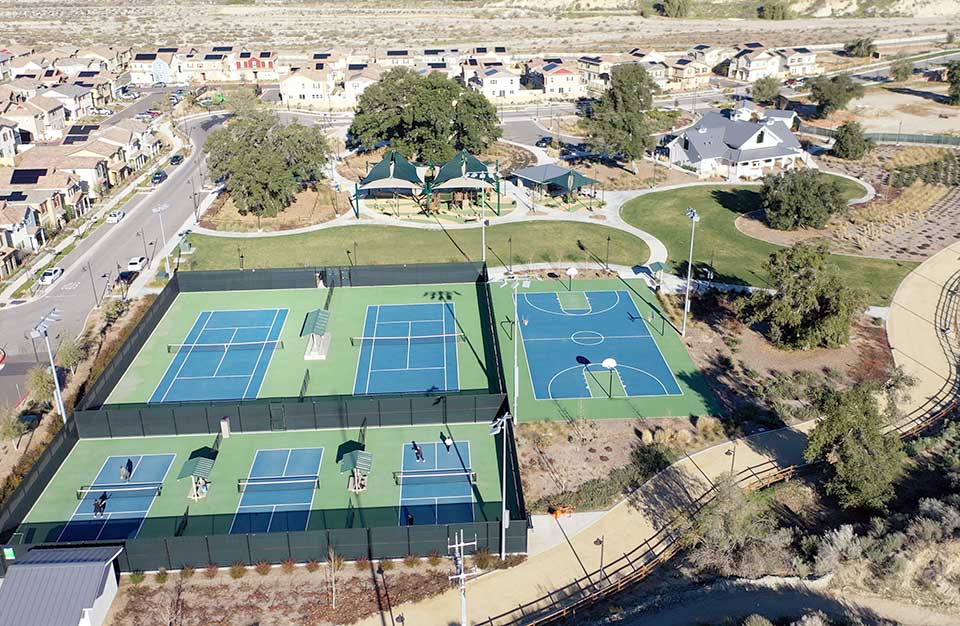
x: 173, y: 459
x: 225, y: 350
x: 185, y: 359
x: 259, y: 357
x: 373, y: 348
x: 214, y: 377
x: 79, y: 504
x: 580, y: 331
x: 407, y: 369
x: 162, y: 378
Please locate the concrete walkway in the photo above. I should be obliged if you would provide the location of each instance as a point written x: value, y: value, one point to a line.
x: 916, y: 339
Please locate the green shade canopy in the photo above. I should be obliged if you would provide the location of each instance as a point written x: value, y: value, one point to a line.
x: 315, y: 322
x: 551, y: 175
x: 393, y: 172
x: 200, y: 464
x: 463, y: 171
x: 357, y: 459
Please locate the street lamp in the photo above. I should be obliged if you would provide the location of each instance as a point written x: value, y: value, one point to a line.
x: 143, y: 238
x: 599, y: 541
x: 40, y: 330
x: 193, y: 194
x: 694, y: 218
x: 483, y: 238
x: 499, y: 427
x: 89, y: 272
x: 610, y: 364
x: 159, y: 209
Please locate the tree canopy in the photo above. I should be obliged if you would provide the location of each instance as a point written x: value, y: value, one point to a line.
x: 620, y: 123
x: 901, y: 70
x: 774, y: 10
x: 263, y: 161
x: 674, y: 8
x: 862, y: 47
x: 427, y: 118
x: 864, y: 461
x: 834, y: 93
x: 800, y: 199
x: 812, y: 305
x: 953, y: 78
x: 850, y: 142
x: 765, y: 89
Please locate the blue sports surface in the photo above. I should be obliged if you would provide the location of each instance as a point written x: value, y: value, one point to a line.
x: 408, y: 348
x: 436, y: 491
x: 127, y: 501
x: 278, y: 494
x: 225, y: 356
x: 566, y: 346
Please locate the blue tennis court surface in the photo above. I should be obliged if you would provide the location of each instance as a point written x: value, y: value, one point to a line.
x: 439, y: 490
x: 278, y: 493
x: 127, y: 501
x: 566, y: 345
x: 408, y: 348
x: 225, y: 356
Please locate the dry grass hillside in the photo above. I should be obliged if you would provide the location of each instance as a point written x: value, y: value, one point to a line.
x: 570, y: 26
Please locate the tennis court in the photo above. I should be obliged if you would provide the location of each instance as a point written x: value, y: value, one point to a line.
x: 127, y: 501
x: 440, y: 490
x: 568, y: 335
x: 278, y: 492
x: 408, y: 348
x: 225, y: 356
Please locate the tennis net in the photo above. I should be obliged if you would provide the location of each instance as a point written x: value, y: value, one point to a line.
x: 433, y: 477
x: 409, y: 340
x: 292, y: 483
x: 120, y: 490
x: 273, y: 344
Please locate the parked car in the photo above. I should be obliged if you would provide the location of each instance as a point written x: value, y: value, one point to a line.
x: 153, y: 112
x: 136, y: 264
x: 159, y: 85
x: 127, y: 277
x: 158, y: 177
x: 176, y: 159
x: 105, y: 112
x: 115, y: 216
x: 143, y: 117
x: 544, y: 142
x: 51, y: 275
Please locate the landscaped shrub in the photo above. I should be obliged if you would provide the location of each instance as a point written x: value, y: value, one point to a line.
x: 386, y: 565
x: 187, y: 571
x: 412, y: 560
x: 211, y: 570
x: 484, y: 559
x: 434, y: 559
x: 363, y: 563
x: 238, y: 570
x: 137, y: 577
x: 313, y: 565
x: 288, y: 566
x: 944, y: 170
x: 161, y: 576
x: 263, y: 567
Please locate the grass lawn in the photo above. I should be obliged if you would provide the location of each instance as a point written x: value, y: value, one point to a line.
x: 533, y: 242
x: 735, y: 257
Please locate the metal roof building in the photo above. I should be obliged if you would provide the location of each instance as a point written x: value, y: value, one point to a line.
x: 60, y: 587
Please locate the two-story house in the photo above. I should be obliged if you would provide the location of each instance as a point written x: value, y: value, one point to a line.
x: 90, y: 171
x: 77, y: 100
x: 6, y: 73
x: 752, y: 62
x: 358, y: 79
x: 20, y: 229
x: 647, y: 55
x: 495, y: 83
x: 685, y: 74
x: 307, y: 86
x: 55, y: 196
x: 255, y: 66
x: 9, y: 140
x: 555, y: 78
x: 798, y: 62
x: 148, y: 68
x: 595, y: 70
x: 37, y: 118
x: 720, y: 147
x: 395, y: 57
x: 710, y: 55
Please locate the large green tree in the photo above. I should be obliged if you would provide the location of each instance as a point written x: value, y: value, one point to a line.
x: 765, y: 89
x: 800, y: 199
x: 864, y: 460
x: 674, y: 8
x: 862, y: 47
x: 263, y: 161
x: 620, y: 123
x: 774, y: 10
x: 851, y: 142
x: 901, y: 70
x: 428, y: 118
x: 811, y: 305
x: 953, y: 78
x: 834, y: 93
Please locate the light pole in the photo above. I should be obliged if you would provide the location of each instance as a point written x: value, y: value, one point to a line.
x: 610, y: 364
x: 608, y: 252
x: 40, y: 330
x: 483, y: 238
x: 694, y: 218
x: 510, y: 242
x: 599, y: 541
x: 89, y: 272
x: 193, y: 193
x: 159, y: 209
x: 499, y: 427
x: 143, y: 238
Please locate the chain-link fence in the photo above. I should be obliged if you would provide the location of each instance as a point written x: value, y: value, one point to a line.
x: 942, y: 140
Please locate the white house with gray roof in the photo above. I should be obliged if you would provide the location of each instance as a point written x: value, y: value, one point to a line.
x: 737, y: 149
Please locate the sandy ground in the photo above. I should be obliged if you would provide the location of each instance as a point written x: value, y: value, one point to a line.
x: 523, y: 25
x: 917, y: 106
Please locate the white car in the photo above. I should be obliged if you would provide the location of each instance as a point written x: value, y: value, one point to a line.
x: 51, y: 275
x: 105, y: 112
x: 136, y: 264
x: 115, y: 216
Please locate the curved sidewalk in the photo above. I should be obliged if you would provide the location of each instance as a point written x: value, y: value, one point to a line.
x: 915, y: 338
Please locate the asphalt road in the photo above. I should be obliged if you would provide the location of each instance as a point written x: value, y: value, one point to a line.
x: 94, y: 262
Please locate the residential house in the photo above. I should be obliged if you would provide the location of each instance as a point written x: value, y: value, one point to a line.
x: 14, y: 51
x: 720, y: 147
x: 685, y: 74
x: 647, y: 55
x: 6, y: 73
x: 555, y: 78
x: 147, y: 68
x: 71, y: 66
x: 257, y: 66
x: 21, y: 89
x: 104, y: 86
x: 595, y: 70
x: 499, y: 53
x: 660, y: 74
x: 206, y: 66
x: 8, y: 258
x: 57, y: 195
x: 395, y: 58
x: 106, y: 59
x: 90, y: 170
x: 77, y: 100
x: 495, y: 83
x: 30, y: 64
x: 139, y: 145
x: 19, y: 229
x: 37, y: 118
x: 450, y: 56
x: 752, y: 62
x: 358, y: 79
x: 710, y: 55
x: 798, y: 62
x: 307, y: 86
x: 9, y: 140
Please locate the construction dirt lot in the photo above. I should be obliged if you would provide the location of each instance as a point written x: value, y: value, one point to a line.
x: 913, y: 107
x: 530, y: 27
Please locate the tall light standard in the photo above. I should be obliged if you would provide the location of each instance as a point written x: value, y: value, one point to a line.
x: 694, y: 218
x: 40, y: 330
x: 499, y: 427
x: 159, y: 209
x: 483, y: 236
x: 143, y: 238
x: 96, y: 296
x: 193, y: 194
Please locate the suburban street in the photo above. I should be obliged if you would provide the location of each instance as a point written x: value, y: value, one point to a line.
x: 94, y: 263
